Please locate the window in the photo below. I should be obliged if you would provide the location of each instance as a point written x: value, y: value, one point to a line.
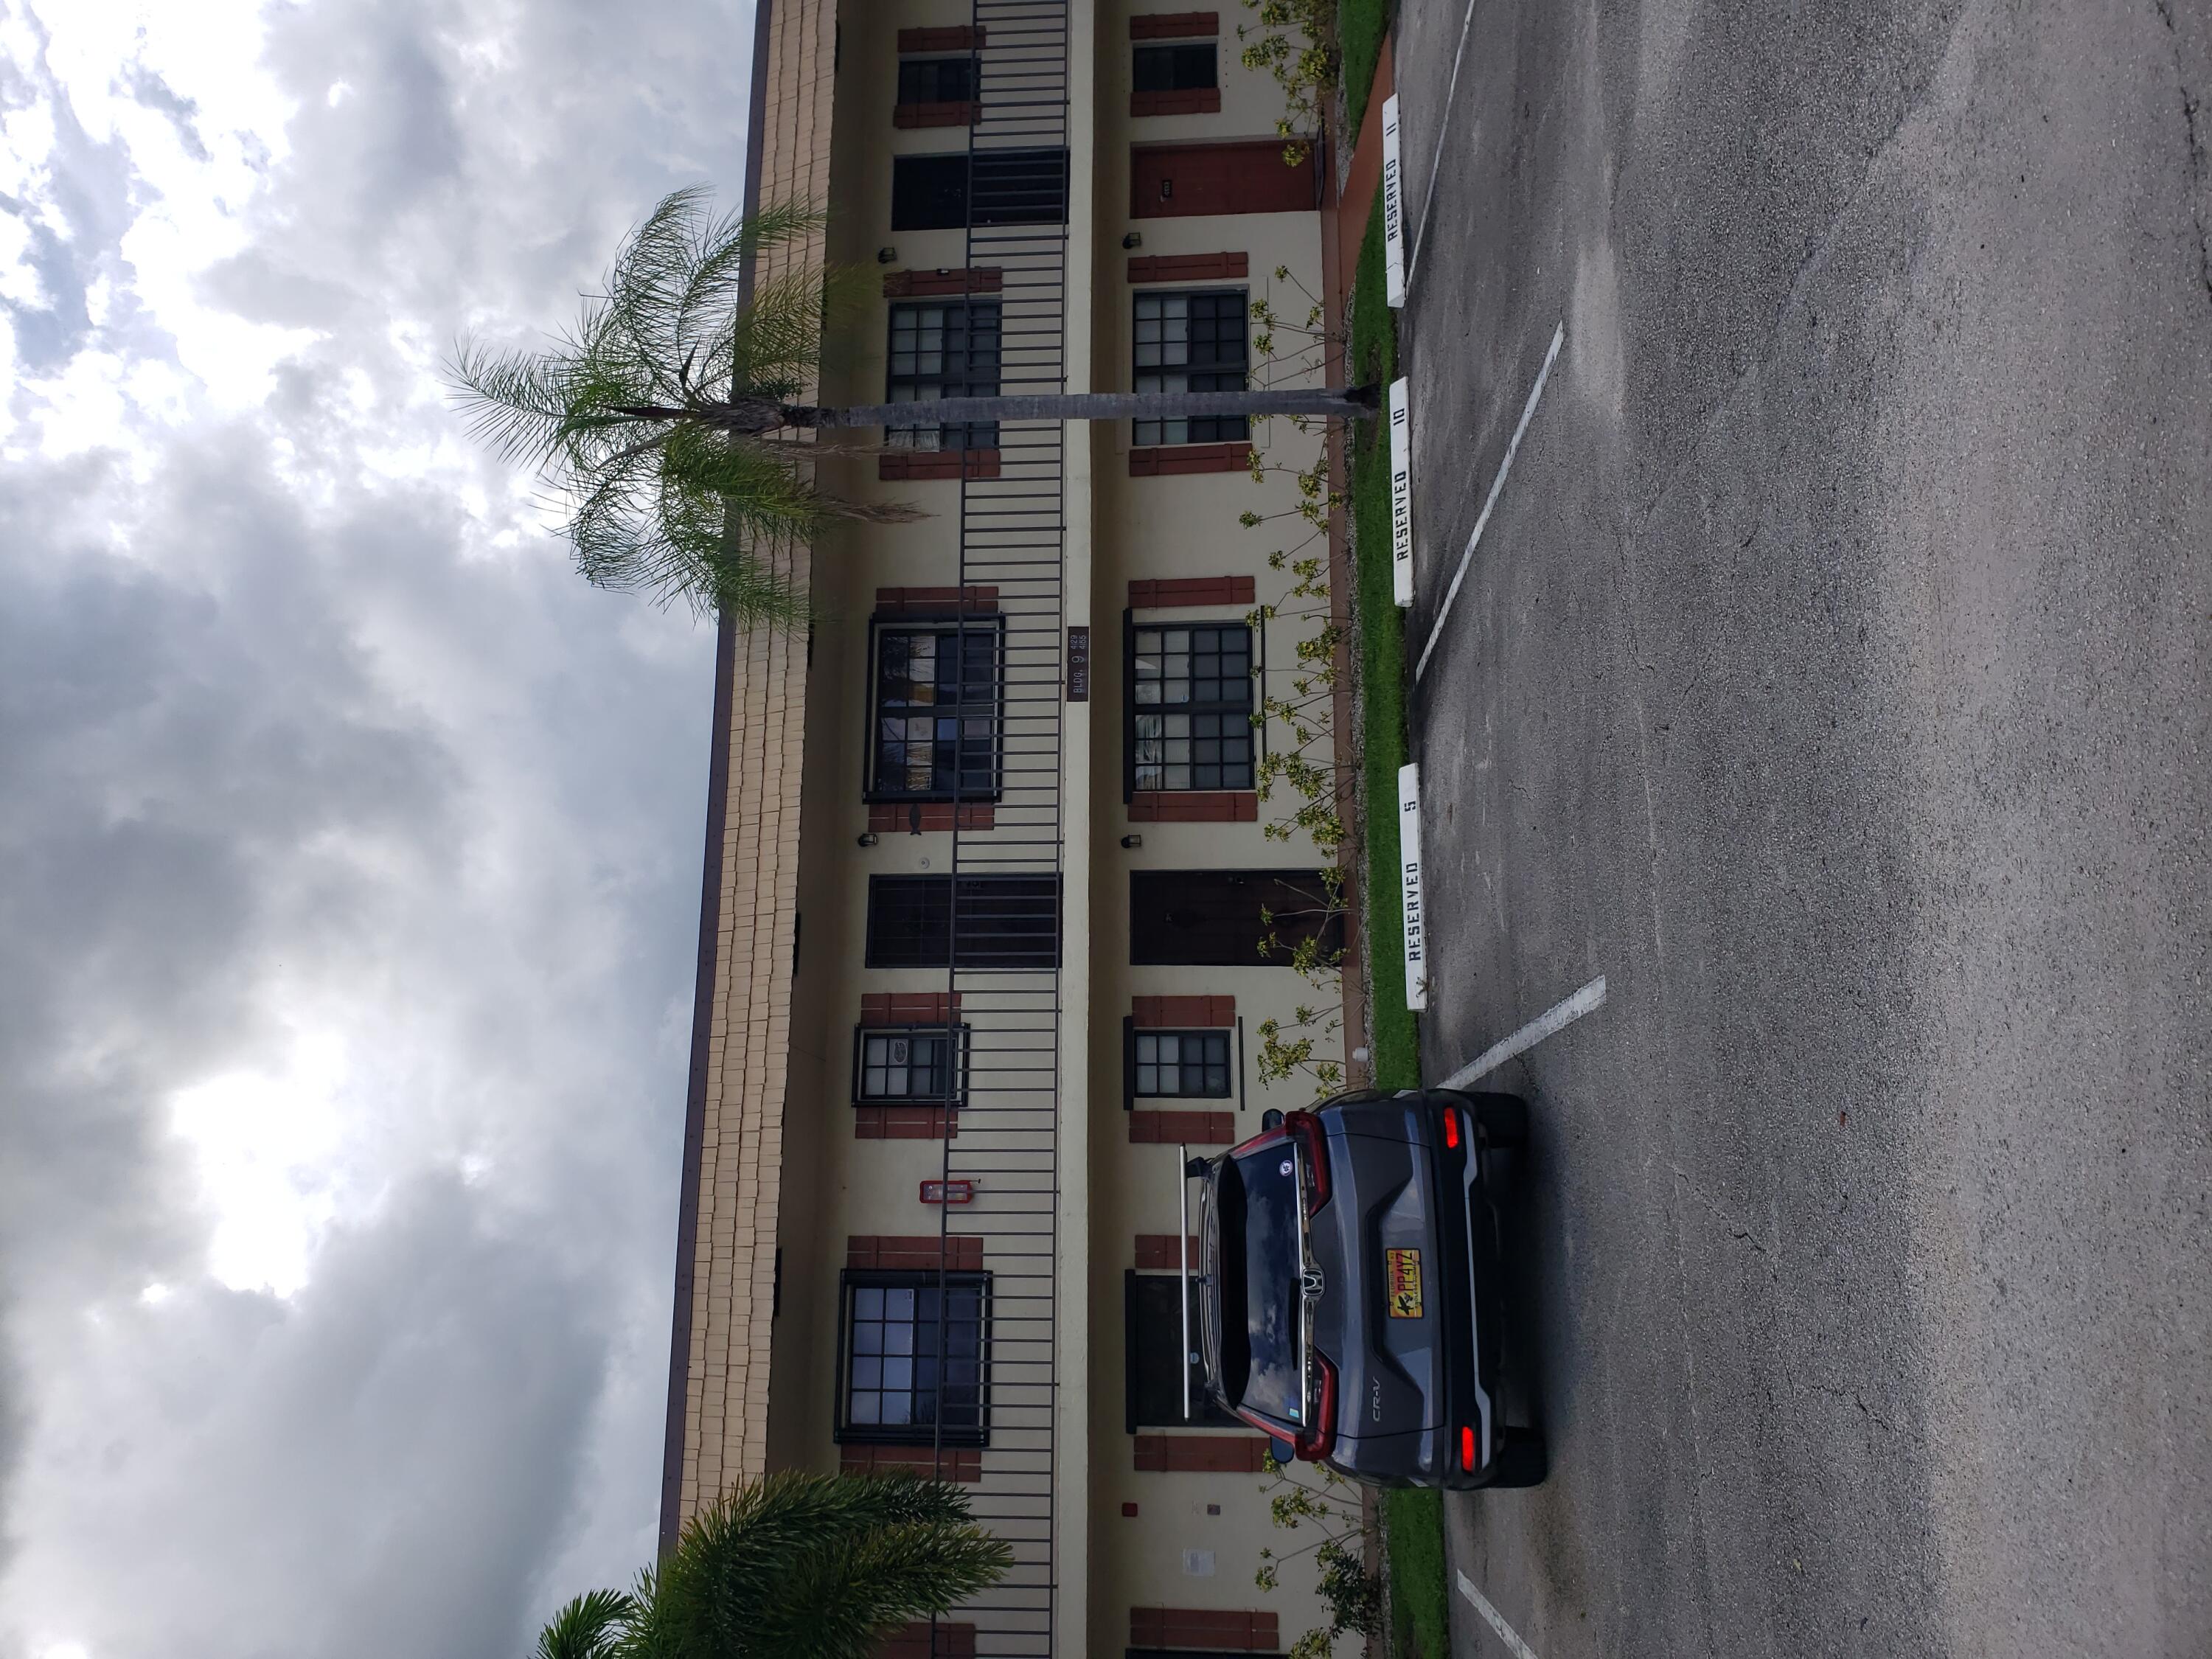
x: 1218, y: 918
x: 935, y: 716
x: 1151, y: 1311
x: 1179, y: 1065
x: 913, y: 1358
x: 929, y: 192
x: 1005, y: 922
x: 1192, y: 342
x: 911, y: 1066
x: 1190, y: 716
x: 946, y: 349
x: 1008, y: 187
x: 938, y: 80
x: 1176, y: 69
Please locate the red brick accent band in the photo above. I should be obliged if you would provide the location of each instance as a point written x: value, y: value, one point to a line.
x: 916, y: 284
x: 906, y: 1123
x: 914, y: 1641
x: 902, y: 818
x: 1229, y: 1629
x: 1189, y: 267
x: 1171, y: 25
x: 914, y: 1252
x: 959, y: 38
x: 894, y: 601
x: 1165, y: 592
x: 963, y: 1464
x: 1194, y: 806
x: 1184, y: 100
x: 960, y: 114
x: 1156, y: 1253
x: 1169, y: 460
x: 1172, y: 1014
x: 1166, y: 1128
x: 899, y: 463
x: 909, y: 1007
x: 1200, y: 1454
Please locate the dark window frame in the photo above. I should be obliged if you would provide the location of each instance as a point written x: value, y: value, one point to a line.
x: 845, y: 1431
x: 1133, y: 1047
x: 955, y: 1095
x: 966, y: 188
x: 1239, y: 714
x: 1174, y: 66
x: 944, y: 625
x: 927, y: 82
x: 980, y: 349
x: 1205, y: 322
x: 933, y: 897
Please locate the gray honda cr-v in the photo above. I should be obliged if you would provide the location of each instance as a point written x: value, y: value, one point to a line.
x: 1347, y: 1286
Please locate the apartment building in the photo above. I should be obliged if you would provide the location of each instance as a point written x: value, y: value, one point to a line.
x: 986, y: 869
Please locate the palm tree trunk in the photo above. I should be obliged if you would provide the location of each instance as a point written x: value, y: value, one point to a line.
x: 1348, y: 402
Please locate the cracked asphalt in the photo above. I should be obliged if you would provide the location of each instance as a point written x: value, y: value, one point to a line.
x: 1832, y: 676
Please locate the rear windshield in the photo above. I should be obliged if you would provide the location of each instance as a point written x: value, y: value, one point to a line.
x: 1259, y: 1267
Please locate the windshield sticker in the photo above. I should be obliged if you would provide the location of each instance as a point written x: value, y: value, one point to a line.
x: 1405, y: 1280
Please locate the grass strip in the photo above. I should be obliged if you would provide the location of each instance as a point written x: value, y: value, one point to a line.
x: 1420, y: 1624
x: 1413, y: 1519
x: 1394, y: 1046
x: 1360, y: 26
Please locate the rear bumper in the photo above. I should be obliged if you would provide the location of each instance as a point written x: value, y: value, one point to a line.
x: 1458, y: 1363
x: 1468, y: 1262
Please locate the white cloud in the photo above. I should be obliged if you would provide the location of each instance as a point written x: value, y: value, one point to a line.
x: 344, y: 961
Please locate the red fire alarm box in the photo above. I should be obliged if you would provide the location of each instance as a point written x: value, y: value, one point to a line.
x: 948, y: 1192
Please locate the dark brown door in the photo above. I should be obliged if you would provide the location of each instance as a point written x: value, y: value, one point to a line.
x: 1154, y: 1359
x: 1218, y: 918
x: 1168, y: 181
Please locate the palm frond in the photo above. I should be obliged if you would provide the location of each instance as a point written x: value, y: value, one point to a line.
x: 627, y: 417
x: 589, y: 1628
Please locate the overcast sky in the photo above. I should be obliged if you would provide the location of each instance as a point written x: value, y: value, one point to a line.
x: 348, y: 843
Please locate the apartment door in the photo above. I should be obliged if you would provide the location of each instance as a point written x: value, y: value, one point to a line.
x: 1171, y: 181
x: 1155, y: 1361
x: 1218, y: 918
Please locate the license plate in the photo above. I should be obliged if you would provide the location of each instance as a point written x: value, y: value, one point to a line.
x: 1405, y: 1273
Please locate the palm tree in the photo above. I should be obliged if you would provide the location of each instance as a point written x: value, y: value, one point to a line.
x: 670, y: 423
x: 810, y: 1566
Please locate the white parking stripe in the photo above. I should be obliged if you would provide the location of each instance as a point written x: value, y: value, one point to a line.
x: 1552, y: 1021
x: 1443, y: 125
x: 1436, y: 632
x: 1506, y: 1634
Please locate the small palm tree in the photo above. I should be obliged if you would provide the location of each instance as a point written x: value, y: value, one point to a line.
x: 807, y: 1566
x: 668, y: 422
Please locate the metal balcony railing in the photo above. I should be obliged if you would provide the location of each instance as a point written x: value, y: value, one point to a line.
x: 1012, y: 533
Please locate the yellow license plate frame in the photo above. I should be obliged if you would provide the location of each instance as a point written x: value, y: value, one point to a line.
x: 1402, y: 1278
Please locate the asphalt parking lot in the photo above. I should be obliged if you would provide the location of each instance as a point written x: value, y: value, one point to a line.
x: 1831, y: 677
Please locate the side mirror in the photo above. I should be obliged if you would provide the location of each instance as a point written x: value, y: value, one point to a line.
x: 1195, y: 1169
x: 1271, y: 1119
x: 1284, y: 1452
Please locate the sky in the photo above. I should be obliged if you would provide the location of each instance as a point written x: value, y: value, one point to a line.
x: 350, y: 842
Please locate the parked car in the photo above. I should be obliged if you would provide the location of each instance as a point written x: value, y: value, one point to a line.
x: 1347, y: 1286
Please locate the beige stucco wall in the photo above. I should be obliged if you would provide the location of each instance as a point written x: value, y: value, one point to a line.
x: 1181, y: 526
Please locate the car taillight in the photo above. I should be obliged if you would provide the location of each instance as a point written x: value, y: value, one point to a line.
x: 1315, y: 1144
x: 1466, y: 1450
x: 1451, y: 1127
x: 1319, y: 1435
